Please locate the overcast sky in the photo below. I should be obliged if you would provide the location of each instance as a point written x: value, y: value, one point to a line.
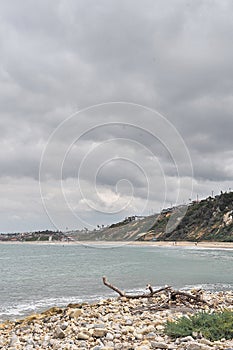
x: 112, y: 108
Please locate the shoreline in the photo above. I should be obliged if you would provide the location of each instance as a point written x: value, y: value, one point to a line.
x: 202, y: 244
x: 114, y: 323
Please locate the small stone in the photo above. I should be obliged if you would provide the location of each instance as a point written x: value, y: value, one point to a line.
x: 82, y: 336
x: 147, y: 330
x: 30, y: 341
x: 138, y: 336
x: 150, y: 335
x: 205, y: 341
x: 193, y: 346
x: 186, y: 339
x: 197, y: 346
x: 99, y: 325
x: 109, y: 336
x: 59, y: 333
x: 129, y: 329
x: 142, y: 347
x: 99, y: 332
x: 64, y: 325
x: 14, y: 340
x: 29, y: 347
x: 117, y: 335
x: 128, y: 322
x: 76, y: 313
x: 118, y: 346
x: 124, y: 299
x: 159, y: 345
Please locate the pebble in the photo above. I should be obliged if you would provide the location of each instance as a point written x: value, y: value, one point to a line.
x: 159, y: 345
x: 99, y: 332
x: 185, y: 339
x: 64, y: 325
x: 59, y: 333
x: 197, y: 346
x: 82, y: 336
x: 142, y: 347
x: 14, y: 340
x: 109, y: 336
x: 108, y: 325
x: 76, y: 313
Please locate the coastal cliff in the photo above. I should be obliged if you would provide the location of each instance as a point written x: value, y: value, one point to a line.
x: 211, y: 219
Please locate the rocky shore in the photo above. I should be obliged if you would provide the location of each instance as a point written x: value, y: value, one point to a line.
x: 119, y: 323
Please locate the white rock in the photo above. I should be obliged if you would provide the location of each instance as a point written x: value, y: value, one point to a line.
x: 186, y: 339
x: 109, y: 336
x: 14, y: 340
x: 142, y: 347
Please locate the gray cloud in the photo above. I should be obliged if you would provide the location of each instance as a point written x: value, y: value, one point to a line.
x: 59, y: 57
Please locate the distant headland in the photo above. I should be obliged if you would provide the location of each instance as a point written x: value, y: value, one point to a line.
x: 210, y: 220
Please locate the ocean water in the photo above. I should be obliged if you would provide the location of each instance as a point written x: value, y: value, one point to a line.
x: 34, y: 277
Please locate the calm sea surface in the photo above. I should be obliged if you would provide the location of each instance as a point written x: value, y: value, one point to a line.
x: 34, y: 277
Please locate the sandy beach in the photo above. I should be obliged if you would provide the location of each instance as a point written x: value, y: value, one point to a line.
x: 204, y: 244
x: 218, y: 245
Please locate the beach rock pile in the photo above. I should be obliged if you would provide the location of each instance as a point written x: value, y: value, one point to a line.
x: 110, y: 324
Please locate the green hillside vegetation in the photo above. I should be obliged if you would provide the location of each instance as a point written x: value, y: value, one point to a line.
x: 210, y: 219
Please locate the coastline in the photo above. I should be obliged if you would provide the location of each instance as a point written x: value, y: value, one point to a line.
x: 115, y: 323
x: 207, y: 268
x: 202, y: 244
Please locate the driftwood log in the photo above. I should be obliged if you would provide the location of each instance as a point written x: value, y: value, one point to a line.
x: 173, y: 297
x: 135, y: 296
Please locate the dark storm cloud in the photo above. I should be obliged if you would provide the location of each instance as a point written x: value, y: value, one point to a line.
x: 174, y: 56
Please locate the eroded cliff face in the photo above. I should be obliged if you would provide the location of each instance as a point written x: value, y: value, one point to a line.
x: 209, y: 219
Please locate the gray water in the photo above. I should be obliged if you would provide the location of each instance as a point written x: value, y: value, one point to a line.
x: 34, y: 277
